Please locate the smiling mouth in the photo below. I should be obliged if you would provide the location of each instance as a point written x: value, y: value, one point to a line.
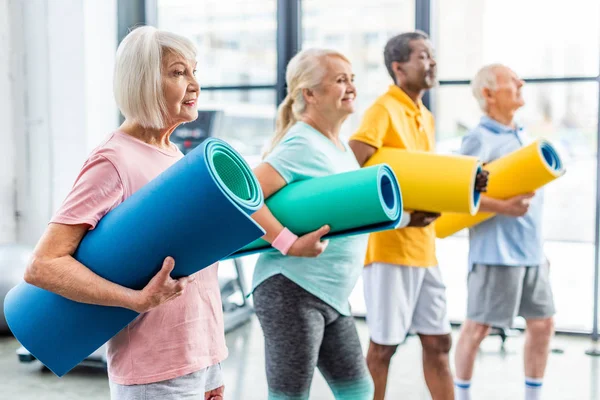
x: 189, y: 103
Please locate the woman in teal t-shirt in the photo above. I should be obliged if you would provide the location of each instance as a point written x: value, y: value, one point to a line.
x: 301, y: 293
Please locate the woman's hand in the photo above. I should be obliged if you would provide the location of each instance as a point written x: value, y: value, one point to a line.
x: 310, y: 245
x: 215, y: 394
x: 161, y: 288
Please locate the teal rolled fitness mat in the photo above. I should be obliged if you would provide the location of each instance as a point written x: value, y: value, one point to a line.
x: 198, y: 211
x: 351, y: 203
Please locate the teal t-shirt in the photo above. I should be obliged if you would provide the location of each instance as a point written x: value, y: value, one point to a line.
x: 305, y: 153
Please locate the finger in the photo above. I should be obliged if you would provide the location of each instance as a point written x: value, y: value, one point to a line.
x: 324, y: 230
x: 173, y: 296
x: 180, y: 285
x: 167, y: 267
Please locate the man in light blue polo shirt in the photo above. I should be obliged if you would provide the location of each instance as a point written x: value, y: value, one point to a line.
x: 508, y: 275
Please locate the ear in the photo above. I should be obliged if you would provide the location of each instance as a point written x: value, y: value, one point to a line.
x: 398, y: 70
x: 309, y: 96
x: 488, y: 94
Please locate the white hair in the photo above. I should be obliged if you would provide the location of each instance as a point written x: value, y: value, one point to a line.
x: 305, y: 70
x: 485, y: 78
x: 137, y: 81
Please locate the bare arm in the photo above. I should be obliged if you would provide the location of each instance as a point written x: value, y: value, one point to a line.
x: 309, y: 245
x: 270, y: 182
x: 52, y: 267
x: 516, y: 206
x: 362, y: 151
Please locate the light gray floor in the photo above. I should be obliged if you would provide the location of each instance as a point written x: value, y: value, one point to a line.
x: 571, y: 375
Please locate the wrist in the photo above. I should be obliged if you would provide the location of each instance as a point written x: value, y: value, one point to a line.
x: 404, y: 220
x: 284, y: 241
x: 133, y: 300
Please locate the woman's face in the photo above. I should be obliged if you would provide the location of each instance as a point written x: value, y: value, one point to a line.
x: 180, y: 88
x: 336, y: 93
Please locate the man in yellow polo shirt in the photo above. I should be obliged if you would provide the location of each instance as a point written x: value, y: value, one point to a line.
x: 403, y: 285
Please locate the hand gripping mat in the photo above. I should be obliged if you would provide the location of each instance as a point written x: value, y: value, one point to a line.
x: 433, y: 182
x: 351, y: 203
x: 524, y: 170
x: 197, y: 211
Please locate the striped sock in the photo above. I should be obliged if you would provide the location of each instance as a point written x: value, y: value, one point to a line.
x: 462, y: 389
x: 533, y: 388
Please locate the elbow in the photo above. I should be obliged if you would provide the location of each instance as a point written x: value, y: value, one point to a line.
x: 33, y: 274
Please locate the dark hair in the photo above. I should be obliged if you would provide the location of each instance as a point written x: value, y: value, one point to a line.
x: 398, y: 49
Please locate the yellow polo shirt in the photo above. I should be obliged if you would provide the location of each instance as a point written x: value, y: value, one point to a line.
x: 394, y: 120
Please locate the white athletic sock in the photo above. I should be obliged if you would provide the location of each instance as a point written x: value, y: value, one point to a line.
x: 533, y: 388
x: 462, y: 389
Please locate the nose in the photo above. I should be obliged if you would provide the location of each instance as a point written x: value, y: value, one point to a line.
x: 194, y: 86
x: 351, y: 88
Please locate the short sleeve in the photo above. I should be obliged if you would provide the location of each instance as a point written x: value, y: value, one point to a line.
x: 295, y: 159
x: 97, y: 190
x: 374, y: 126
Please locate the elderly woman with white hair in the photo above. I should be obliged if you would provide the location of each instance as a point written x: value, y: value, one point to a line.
x: 508, y: 274
x: 302, y: 303
x: 174, y: 348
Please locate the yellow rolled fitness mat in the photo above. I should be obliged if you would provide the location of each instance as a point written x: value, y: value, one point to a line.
x: 433, y: 182
x: 522, y: 171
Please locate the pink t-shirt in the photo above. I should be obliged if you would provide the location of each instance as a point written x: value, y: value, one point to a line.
x: 181, y: 336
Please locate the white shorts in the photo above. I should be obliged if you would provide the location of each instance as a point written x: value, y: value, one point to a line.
x: 403, y: 299
x: 191, y: 386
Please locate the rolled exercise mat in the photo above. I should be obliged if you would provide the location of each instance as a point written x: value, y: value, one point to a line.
x: 522, y: 171
x: 197, y: 211
x: 433, y: 182
x: 362, y: 201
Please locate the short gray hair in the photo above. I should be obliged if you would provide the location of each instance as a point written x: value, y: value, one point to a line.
x: 137, y: 81
x: 485, y: 78
x: 398, y: 49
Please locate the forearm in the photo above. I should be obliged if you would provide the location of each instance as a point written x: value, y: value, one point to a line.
x: 491, y: 205
x: 72, y: 280
x: 265, y: 218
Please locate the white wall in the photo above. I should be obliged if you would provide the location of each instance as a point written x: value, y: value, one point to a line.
x: 7, y: 158
x: 62, y: 55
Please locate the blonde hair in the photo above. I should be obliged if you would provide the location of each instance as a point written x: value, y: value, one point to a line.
x: 485, y: 78
x: 305, y: 70
x: 137, y: 81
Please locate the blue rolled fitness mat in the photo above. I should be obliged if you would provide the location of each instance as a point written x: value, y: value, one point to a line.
x: 198, y: 211
x: 351, y: 203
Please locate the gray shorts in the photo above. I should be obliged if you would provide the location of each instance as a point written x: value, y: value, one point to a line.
x: 191, y: 386
x: 498, y: 294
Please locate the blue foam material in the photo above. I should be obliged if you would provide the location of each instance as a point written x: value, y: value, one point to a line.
x: 188, y: 212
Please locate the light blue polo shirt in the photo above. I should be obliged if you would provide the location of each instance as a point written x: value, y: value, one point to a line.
x: 503, y: 240
x: 304, y: 153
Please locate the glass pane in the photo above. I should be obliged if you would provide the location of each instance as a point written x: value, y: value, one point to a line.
x: 246, y: 120
x: 536, y: 38
x: 359, y: 29
x: 236, y: 39
x: 567, y: 114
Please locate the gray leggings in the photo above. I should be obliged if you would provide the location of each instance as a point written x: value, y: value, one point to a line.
x: 303, y: 332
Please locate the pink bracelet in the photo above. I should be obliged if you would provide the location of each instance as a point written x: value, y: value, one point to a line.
x: 284, y: 241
